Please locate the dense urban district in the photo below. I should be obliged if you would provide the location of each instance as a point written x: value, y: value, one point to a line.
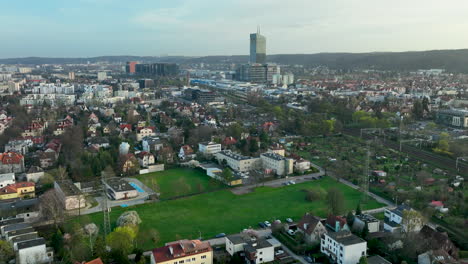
x: 201, y: 163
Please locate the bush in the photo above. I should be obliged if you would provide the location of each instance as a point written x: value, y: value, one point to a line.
x: 315, y: 194
x: 129, y: 218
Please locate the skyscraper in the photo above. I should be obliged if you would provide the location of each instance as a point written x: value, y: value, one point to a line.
x: 257, y: 48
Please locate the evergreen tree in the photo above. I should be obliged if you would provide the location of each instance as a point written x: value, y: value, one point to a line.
x: 358, y: 209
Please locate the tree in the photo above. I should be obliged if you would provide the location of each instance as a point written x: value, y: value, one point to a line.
x: 6, y: 252
x: 412, y: 221
x: 350, y: 218
x: 314, y: 194
x: 358, y: 209
x: 418, y: 110
x: 51, y: 207
x: 227, y: 175
x: 335, y: 201
x: 365, y: 231
x: 122, y: 239
x: 363, y: 260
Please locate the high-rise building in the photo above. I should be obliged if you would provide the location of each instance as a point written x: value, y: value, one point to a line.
x: 257, y: 73
x: 257, y: 48
x: 71, y: 75
x: 131, y: 67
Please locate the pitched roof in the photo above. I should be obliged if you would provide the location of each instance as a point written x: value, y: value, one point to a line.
x: 308, y: 223
x: 95, y: 261
x: 11, y: 158
x: 180, y: 249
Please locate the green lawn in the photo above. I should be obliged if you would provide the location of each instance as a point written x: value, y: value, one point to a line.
x: 223, y: 211
x: 180, y: 181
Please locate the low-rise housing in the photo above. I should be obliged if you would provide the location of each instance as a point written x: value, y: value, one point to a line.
x: 343, y: 247
x: 394, y: 220
x: 183, y: 251
x: 7, y: 179
x: 209, y: 148
x: 11, y: 162
x: 363, y: 220
x: 18, y: 190
x: 312, y: 228
x: 69, y: 195
x: 119, y: 189
x: 256, y: 250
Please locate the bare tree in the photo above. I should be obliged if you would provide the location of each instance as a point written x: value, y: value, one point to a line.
x: 51, y: 207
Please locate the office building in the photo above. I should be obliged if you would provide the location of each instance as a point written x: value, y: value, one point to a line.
x: 257, y: 73
x: 453, y: 117
x: 71, y: 75
x: 209, y: 148
x: 199, y: 95
x: 157, y: 69
x: 131, y: 67
x: 257, y: 48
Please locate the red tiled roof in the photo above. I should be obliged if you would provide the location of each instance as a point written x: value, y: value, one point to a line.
x: 13, y: 188
x: 332, y: 219
x: 96, y: 261
x: 11, y: 158
x: 180, y: 249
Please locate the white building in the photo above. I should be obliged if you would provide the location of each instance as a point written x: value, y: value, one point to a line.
x: 301, y: 165
x: 209, y: 148
x: 257, y: 250
x: 124, y: 148
x: 69, y: 195
x: 372, y: 223
x: 394, y: 220
x: 33, y: 251
x: 238, y: 162
x: 119, y: 189
x: 276, y: 163
x: 7, y: 179
x: 343, y: 247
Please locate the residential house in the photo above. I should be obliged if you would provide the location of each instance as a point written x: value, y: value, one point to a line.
x: 18, y: 190
x: 11, y: 162
x: 363, y: 220
x: 437, y: 257
x: 20, y: 146
x: 256, y: 250
x: 145, y: 158
x: 28, y: 209
x: 7, y: 179
x: 394, y: 219
x: 34, y: 174
x: 229, y: 141
x: 128, y: 162
x: 125, y: 128
x: 186, y: 152
x: 33, y: 251
x: 93, y: 118
x: 238, y: 162
x: 312, y: 228
x: 438, y: 241
x: 143, y: 132
x: 301, y: 165
x: 209, y: 148
x: 277, y: 148
x: 343, y: 247
x: 337, y: 223
x: 152, y: 144
x: 183, y: 251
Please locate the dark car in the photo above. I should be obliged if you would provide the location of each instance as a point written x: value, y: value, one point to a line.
x: 262, y: 225
x: 220, y: 235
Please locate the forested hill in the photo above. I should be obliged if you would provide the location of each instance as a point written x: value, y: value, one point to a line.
x: 451, y: 60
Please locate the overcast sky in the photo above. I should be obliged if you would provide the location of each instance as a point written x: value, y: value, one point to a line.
x: 85, y: 28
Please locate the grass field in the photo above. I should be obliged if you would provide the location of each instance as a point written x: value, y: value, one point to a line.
x: 180, y: 181
x: 223, y: 211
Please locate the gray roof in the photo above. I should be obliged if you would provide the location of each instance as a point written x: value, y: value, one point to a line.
x: 24, y: 237
x: 119, y: 185
x: 377, y: 260
x: 367, y: 218
x: 20, y: 232
x: 68, y: 188
x: 19, y: 204
x: 260, y: 243
x: 233, y: 155
x: 31, y: 243
x: 13, y: 227
x: 346, y: 238
x: 274, y: 156
x: 399, y: 210
x: 236, y: 239
x: 11, y: 221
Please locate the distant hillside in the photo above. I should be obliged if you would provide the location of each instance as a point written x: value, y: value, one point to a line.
x: 451, y: 60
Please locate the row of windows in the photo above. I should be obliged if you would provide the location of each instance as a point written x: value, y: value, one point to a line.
x: 189, y: 260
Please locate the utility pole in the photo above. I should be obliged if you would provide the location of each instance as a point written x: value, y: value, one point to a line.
x: 365, y: 185
x: 105, y: 207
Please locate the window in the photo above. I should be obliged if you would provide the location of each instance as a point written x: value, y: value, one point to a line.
x: 363, y: 253
x: 193, y: 259
x: 180, y: 262
x: 261, y: 259
x: 261, y: 252
x: 203, y: 257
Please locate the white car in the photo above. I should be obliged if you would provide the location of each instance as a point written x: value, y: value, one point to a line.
x: 289, y: 220
x: 291, y: 232
x: 267, y: 223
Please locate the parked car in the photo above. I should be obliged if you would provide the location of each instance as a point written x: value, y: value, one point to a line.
x: 292, y: 182
x: 289, y: 220
x: 279, y: 252
x: 308, y: 259
x: 267, y: 223
x: 291, y: 232
x: 277, y: 221
x: 262, y: 225
x: 220, y: 235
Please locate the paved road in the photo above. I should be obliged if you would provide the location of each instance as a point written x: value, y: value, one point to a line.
x: 280, y: 182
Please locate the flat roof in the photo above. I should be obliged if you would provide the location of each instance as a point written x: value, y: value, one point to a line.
x: 68, y: 188
x: 31, y: 243
x: 24, y: 237
x: 273, y: 155
x: 11, y: 221
x: 13, y: 227
x: 20, y: 232
x: 377, y: 260
x: 346, y: 238
x: 119, y: 185
x: 235, y: 156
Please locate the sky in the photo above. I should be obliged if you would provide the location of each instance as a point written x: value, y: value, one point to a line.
x: 87, y: 28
